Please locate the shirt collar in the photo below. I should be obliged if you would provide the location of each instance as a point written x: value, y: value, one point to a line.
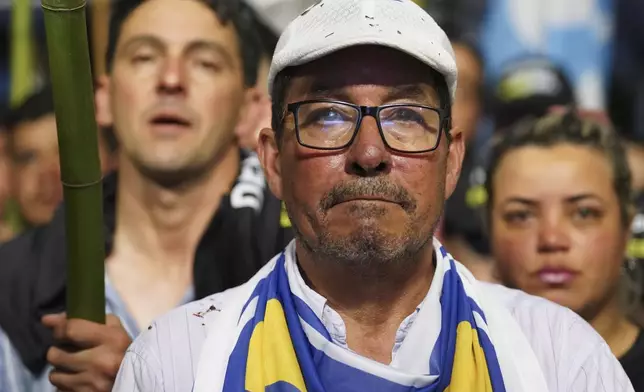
x: 328, y: 316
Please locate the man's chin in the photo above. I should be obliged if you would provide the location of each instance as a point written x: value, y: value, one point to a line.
x: 172, y: 174
x: 369, y: 227
x: 368, y: 244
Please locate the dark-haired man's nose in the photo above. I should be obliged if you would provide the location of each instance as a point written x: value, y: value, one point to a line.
x: 172, y: 78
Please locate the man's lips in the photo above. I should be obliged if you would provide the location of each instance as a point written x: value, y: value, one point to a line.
x: 367, y: 199
x: 170, y: 119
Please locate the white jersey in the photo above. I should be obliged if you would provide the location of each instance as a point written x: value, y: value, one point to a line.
x: 572, y: 356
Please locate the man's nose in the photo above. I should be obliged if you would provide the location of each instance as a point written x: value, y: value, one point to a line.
x: 368, y: 155
x: 172, y: 78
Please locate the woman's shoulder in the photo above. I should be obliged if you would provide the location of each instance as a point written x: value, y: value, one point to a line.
x: 572, y: 355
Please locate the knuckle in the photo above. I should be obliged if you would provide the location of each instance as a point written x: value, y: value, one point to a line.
x: 119, y: 337
x: 72, y: 330
x: 53, y: 355
x: 59, y: 330
x: 110, y: 365
x: 123, y: 341
x: 100, y: 384
x: 56, y: 380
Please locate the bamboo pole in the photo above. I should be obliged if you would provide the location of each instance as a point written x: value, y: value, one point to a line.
x: 71, y: 77
x: 22, y: 51
x: 100, y: 28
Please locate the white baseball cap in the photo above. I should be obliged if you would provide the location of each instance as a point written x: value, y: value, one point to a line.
x: 331, y: 25
x: 277, y: 14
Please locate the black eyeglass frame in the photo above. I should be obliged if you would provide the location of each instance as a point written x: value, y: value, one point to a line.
x: 373, y: 111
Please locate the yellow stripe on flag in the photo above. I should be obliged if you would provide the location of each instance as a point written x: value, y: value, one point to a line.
x: 469, y: 371
x: 271, y: 355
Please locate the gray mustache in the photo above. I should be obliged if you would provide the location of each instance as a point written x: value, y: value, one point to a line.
x: 367, y: 187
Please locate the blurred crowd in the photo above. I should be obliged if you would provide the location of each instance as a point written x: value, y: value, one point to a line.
x: 550, y: 98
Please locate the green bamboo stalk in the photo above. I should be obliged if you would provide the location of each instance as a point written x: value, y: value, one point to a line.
x: 22, y: 51
x: 71, y: 78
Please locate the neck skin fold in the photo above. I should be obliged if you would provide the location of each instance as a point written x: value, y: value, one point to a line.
x: 164, y: 224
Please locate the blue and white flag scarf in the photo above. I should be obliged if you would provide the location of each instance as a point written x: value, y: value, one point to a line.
x: 280, y: 344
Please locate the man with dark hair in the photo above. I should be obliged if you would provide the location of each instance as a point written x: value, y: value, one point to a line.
x: 363, y: 154
x: 32, y: 149
x: 188, y: 214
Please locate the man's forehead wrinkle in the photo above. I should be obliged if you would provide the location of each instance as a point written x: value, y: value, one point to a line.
x: 314, y: 88
x: 367, y: 76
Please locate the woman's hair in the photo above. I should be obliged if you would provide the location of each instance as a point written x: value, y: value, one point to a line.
x: 565, y: 128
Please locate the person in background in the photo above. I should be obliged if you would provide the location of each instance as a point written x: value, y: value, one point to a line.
x: 626, y: 93
x: 528, y: 87
x: 246, y: 135
x: 6, y: 232
x: 32, y: 146
x: 468, y: 103
x: 271, y: 19
x: 186, y: 214
x: 363, y: 154
x: 467, y: 110
x: 559, y: 210
x: 32, y: 149
x: 635, y: 156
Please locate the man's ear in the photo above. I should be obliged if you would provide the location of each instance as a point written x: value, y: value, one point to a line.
x: 455, y: 155
x: 255, y: 116
x: 269, y: 156
x: 102, y: 102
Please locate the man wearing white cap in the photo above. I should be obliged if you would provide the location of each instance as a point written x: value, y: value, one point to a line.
x: 365, y: 299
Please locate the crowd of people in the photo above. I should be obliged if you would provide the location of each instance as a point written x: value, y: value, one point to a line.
x: 334, y: 195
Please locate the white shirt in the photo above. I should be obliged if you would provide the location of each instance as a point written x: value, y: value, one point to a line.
x: 572, y: 356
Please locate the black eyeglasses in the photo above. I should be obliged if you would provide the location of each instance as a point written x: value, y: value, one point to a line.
x: 333, y: 125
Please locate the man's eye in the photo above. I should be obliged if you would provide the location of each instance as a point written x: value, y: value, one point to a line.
x: 208, y: 63
x: 25, y: 158
x: 329, y: 115
x: 325, y: 117
x: 406, y: 115
x: 142, y: 58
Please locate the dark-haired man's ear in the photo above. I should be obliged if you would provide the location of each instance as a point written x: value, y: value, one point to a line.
x: 102, y: 102
x: 257, y: 115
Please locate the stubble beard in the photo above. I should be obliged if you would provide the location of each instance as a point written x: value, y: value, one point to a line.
x: 368, y: 251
